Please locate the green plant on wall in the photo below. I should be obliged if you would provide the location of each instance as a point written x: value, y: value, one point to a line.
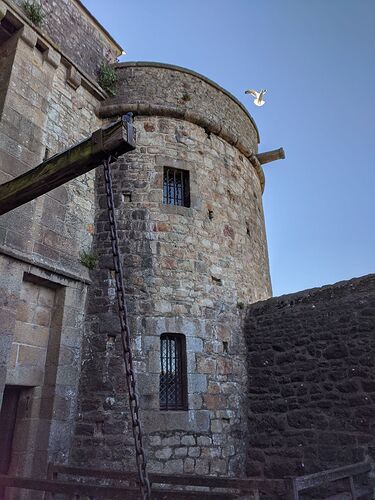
x: 88, y: 259
x: 33, y: 11
x: 107, y: 79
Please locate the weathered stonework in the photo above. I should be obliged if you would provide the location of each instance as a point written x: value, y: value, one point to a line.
x: 89, y: 46
x: 46, y: 105
x: 189, y: 270
x: 311, y: 397
x: 293, y: 392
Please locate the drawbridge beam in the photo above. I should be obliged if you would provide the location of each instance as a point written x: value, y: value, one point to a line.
x: 115, y: 139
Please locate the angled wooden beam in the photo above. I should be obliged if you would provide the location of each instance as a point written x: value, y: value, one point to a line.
x: 116, y: 139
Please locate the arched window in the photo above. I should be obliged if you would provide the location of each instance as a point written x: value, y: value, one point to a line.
x: 173, y: 372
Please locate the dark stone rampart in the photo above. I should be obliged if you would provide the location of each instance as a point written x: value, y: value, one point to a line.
x: 311, y: 366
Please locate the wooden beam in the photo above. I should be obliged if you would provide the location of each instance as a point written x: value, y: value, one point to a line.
x: 268, y: 156
x: 116, y: 139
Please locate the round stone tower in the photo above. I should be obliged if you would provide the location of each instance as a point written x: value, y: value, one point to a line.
x: 189, y: 206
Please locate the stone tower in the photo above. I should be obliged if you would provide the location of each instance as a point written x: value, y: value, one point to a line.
x: 189, y: 205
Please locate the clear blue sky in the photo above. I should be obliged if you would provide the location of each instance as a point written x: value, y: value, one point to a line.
x: 316, y: 58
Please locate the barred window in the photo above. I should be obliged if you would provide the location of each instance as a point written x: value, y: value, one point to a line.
x: 173, y: 372
x: 176, y: 190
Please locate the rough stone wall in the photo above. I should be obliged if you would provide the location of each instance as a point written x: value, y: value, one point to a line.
x: 7, y: 52
x: 47, y: 408
x: 176, y: 88
x: 188, y: 270
x: 76, y: 33
x: 311, y: 369
x: 46, y: 112
x: 45, y: 106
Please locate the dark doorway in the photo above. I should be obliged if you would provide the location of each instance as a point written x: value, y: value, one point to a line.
x: 8, y: 415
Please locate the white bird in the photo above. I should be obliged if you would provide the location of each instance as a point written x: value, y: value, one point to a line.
x: 258, y: 101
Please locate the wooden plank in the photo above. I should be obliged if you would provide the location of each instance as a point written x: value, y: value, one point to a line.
x: 243, y: 484
x: 319, y: 478
x: 117, y: 139
x: 70, y: 488
x: 170, y: 494
x: 292, y: 491
x: 77, y: 489
x: 97, y: 473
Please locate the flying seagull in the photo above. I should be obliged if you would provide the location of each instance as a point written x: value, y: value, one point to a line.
x: 258, y: 101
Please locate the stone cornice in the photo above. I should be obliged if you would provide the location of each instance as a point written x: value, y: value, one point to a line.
x: 217, y: 128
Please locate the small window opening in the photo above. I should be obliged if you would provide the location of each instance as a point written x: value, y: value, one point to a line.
x: 176, y: 189
x: 210, y: 214
x: 127, y: 197
x: 225, y: 347
x: 173, y: 372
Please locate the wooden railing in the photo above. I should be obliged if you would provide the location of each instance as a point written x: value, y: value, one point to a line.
x: 76, y: 483
x: 296, y: 485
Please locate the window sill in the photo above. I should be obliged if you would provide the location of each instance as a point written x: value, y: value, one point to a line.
x: 177, y: 210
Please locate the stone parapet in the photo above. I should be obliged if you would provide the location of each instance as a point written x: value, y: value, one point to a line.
x: 155, y: 89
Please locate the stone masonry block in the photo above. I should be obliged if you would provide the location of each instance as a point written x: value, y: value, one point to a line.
x: 33, y: 335
x: 73, y: 77
x: 194, y: 344
x: 25, y: 313
x: 197, y: 383
x: 3, y: 10
x: 29, y: 36
x: 32, y: 356
x: 148, y: 384
x: 52, y: 57
x: 154, y: 362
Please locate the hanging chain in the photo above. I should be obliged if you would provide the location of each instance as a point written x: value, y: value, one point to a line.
x: 125, y: 337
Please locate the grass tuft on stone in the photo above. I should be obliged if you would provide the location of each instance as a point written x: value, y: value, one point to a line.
x: 107, y: 79
x: 34, y: 11
x: 88, y: 259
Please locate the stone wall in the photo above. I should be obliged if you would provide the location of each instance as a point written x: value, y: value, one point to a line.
x: 78, y: 34
x: 47, y: 106
x: 40, y: 351
x: 7, y: 53
x: 189, y: 270
x: 41, y: 116
x: 311, y: 369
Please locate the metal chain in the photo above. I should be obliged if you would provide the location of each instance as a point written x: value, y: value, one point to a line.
x: 125, y: 337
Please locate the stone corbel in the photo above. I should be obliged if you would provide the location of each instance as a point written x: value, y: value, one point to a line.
x: 3, y: 10
x: 52, y: 57
x: 73, y: 77
x: 29, y: 36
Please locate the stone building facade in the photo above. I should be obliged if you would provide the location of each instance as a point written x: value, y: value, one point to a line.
x: 48, y: 97
x: 261, y: 400
x: 189, y: 270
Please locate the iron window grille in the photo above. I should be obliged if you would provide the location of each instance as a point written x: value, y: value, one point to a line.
x: 173, y: 372
x: 176, y: 189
